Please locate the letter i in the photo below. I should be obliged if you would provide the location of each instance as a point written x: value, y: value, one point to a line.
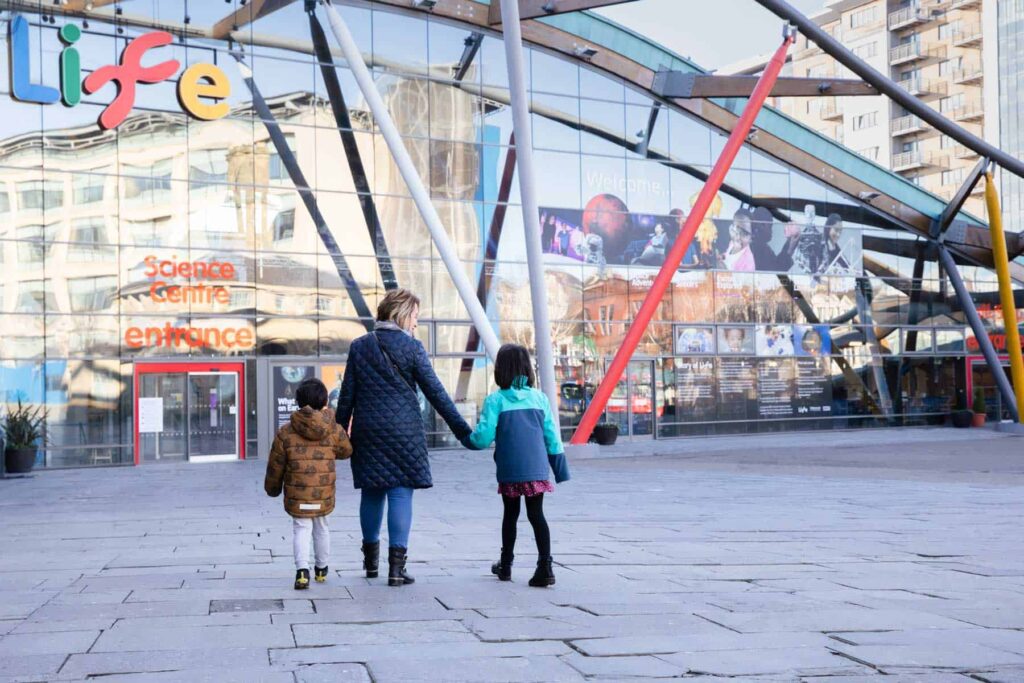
x: 70, y: 66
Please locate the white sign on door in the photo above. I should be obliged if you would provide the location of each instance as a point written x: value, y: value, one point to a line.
x: 151, y: 415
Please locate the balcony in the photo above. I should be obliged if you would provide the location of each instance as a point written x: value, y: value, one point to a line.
x: 907, y: 17
x: 831, y: 111
x: 968, y: 36
x: 907, y: 125
x: 923, y: 87
x: 962, y: 152
x: 908, y: 161
x: 971, y: 111
x: 965, y: 4
x: 912, y: 52
x: 970, y: 74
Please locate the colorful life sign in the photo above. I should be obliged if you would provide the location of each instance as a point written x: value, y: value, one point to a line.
x: 201, y: 87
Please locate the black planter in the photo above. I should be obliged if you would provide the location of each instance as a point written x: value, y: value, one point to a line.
x: 605, y: 435
x: 20, y: 460
x: 961, y: 418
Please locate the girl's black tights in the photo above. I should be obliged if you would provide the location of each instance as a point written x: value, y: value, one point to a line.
x: 534, y: 513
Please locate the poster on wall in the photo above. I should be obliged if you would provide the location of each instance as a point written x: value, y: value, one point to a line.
x: 736, y: 339
x: 693, y: 339
x: 696, y: 398
x: 812, y: 387
x: 775, y: 390
x: 774, y: 340
x: 286, y: 380
x: 737, y: 388
x: 812, y: 340
x: 331, y: 376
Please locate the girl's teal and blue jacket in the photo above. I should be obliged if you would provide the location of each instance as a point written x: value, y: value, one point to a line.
x: 527, y: 443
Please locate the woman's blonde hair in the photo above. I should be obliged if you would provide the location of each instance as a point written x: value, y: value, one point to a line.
x: 398, y: 305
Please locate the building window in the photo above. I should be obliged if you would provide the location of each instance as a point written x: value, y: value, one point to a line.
x: 277, y: 169
x: 284, y: 225
x: 33, y: 297
x: 867, y: 50
x: 5, y: 201
x: 31, y: 248
x: 951, y: 103
x: 945, y: 142
x: 87, y: 188
x: 946, y: 31
x: 869, y: 153
x: 141, y: 181
x: 92, y: 293
x: 207, y: 168
x: 949, y: 66
x: 863, y: 17
x: 89, y: 241
x: 954, y: 177
x: 40, y: 194
x: 862, y: 121
x: 605, y: 315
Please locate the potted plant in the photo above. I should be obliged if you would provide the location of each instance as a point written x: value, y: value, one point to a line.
x: 979, y: 408
x: 23, y: 432
x: 606, y: 433
x: 961, y: 417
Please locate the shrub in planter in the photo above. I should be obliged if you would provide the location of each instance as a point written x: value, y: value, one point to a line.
x: 22, y: 432
x: 979, y: 408
x: 606, y: 433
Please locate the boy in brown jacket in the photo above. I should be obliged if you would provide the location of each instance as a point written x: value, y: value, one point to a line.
x: 302, y: 461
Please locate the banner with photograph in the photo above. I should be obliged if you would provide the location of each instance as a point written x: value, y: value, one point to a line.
x: 605, y: 233
x: 286, y: 381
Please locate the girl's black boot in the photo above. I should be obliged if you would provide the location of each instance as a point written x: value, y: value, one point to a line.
x: 396, y: 567
x: 545, y: 575
x: 503, y: 567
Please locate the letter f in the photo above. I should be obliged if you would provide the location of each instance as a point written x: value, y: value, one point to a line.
x: 22, y: 87
x: 128, y: 74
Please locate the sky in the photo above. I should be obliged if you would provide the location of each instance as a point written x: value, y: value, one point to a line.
x: 707, y: 32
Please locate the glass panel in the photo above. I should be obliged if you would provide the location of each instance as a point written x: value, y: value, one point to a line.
x: 212, y: 415
x: 168, y: 443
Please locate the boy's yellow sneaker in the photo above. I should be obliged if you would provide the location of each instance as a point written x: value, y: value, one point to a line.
x: 301, y: 579
x: 320, y: 574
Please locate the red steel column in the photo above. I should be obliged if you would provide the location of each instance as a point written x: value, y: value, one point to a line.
x: 682, y: 243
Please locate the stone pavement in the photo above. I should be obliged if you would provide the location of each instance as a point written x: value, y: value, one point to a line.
x: 836, y: 557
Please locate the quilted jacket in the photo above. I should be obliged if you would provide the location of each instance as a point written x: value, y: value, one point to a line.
x: 388, y: 440
x: 302, y: 462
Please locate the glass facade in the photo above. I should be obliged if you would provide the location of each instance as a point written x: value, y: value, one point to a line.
x: 1010, y: 22
x: 175, y: 240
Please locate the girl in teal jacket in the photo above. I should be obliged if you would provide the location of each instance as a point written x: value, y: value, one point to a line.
x: 517, y: 419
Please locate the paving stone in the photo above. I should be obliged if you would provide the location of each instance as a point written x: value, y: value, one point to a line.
x: 518, y: 669
x: 37, y: 666
x: 31, y: 626
x: 63, y: 642
x: 764, y: 662
x: 123, y: 610
x: 258, y: 675
x: 412, y: 652
x: 333, y: 673
x: 706, y: 642
x: 645, y: 666
x: 191, y: 638
x: 99, y: 664
x: 397, y: 633
x: 887, y: 657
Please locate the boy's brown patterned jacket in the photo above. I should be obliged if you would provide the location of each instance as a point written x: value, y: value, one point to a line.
x: 302, y: 461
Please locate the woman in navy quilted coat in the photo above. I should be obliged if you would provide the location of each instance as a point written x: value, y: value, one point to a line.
x: 389, y: 458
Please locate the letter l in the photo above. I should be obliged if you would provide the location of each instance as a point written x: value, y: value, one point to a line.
x: 21, y: 86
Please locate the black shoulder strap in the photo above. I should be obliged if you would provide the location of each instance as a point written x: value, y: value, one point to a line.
x: 394, y: 365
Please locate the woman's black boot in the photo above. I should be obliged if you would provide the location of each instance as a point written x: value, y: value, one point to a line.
x: 396, y: 567
x: 371, y: 556
x: 545, y: 575
x: 503, y: 567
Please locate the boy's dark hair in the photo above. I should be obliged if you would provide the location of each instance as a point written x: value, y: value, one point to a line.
x: 312, y: 393
x: 512, y: 361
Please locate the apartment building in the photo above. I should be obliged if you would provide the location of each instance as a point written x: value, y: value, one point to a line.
x: 939, y: 51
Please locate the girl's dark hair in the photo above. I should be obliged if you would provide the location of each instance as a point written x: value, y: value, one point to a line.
x: 512, y: 361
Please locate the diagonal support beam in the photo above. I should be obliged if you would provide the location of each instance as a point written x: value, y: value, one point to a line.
x: 863, y: 295
x: 956, y: 203
x: 355, y: 160
x: 298, y: 179
x: 685, y: 85
x: 531, y: 9
x: 652, y: 301
x: 652, y: 119
x: 80, y: 5
x: 420, y: 195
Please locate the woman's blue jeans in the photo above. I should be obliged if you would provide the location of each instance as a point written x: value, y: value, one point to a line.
x: 371, y: 514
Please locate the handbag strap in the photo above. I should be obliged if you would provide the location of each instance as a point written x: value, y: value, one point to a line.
x: 394, y: 365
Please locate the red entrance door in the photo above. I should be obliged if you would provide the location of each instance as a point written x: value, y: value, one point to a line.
x: 192, y: 412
